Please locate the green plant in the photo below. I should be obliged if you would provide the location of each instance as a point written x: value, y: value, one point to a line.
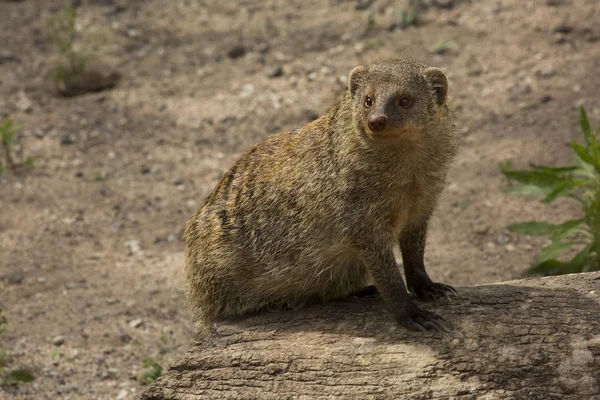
x: 3, y: 322
x: 99, y: 177
x: 370, y: 23
x: 16, y: 375
x: 152, y: 368
x: 409, y: 18
x: 7, y: 132
x: 56, y: 355
x: 373, y: 44
x: 63, y: 34
x: 150, y: 373
x: 579, y: 182
x: 443, y: 46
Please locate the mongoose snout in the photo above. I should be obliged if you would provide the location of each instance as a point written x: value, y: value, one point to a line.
x: 316, y: 213
x: 377, y: 123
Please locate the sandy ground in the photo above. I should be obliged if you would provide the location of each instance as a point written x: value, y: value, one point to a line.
x: 90, y: 254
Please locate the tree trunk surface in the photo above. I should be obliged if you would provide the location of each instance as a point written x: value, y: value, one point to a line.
x: 536, y: 338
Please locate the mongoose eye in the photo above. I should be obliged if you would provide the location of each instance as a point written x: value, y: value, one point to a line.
x: 404, y: 102
x: 368, y: 102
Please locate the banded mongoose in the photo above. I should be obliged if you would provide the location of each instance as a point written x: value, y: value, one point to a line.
x: 315, y: 213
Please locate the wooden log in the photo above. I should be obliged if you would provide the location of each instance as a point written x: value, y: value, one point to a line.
x: 537, y: 338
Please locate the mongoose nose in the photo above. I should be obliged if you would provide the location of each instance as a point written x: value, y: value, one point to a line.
x: 377, y: 123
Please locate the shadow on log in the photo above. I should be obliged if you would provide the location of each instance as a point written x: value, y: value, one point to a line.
x: 536, y: 338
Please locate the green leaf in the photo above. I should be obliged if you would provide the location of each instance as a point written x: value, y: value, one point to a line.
x: 557, y: 170
x: 577, y: 263
x: 533, y: 228
x: 535, y: 178
x: 548, y: 267
x: 527, y: 190
x: 17, y: 375
x: 584, y: 168
x: 553, y: 250
x: 583, y: 154
x: 564, y: 188
x: 585, y: 127
x: 564, y: 229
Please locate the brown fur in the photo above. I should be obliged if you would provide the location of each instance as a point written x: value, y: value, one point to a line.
x: 314, y: 214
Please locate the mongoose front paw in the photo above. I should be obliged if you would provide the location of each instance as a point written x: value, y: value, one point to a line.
x: 416, y: 319
x: 433, y: 291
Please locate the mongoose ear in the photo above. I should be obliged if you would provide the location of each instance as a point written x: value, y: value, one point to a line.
x: 439, y: 82
x: 355, y: 78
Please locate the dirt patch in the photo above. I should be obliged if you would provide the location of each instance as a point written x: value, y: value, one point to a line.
x: 90, y: 244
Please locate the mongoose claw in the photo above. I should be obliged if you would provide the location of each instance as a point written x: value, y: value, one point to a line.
x: 434, y: 291
x: 418, y: 319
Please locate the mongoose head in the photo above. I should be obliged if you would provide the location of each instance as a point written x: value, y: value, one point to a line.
x: 397, y: 100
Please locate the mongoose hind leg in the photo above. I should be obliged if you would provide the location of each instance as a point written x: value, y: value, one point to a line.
x: 370, y: 290
x: 412, y: 245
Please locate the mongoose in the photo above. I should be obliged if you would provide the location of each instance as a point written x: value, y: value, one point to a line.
x: 315, y: 213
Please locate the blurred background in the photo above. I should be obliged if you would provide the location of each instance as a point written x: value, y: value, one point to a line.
x: 120, y: 116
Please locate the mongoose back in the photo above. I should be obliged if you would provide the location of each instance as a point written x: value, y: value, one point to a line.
x: 315, y: 213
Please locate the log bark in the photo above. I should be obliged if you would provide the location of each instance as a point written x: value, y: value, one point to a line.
x: 536, y: 338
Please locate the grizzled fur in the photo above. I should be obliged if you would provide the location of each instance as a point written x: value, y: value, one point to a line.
x: 315, y: 213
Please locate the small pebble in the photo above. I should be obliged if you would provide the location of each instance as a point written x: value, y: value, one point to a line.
x: 236, y: 51
x: 563, y: 28
x: 247, y: 90
x: 503, y: 238
x: 262, y: 47
x: 7, y: 56
x: 134, y: 246
x: 67, y: 139
x: 58, y: 340
x: 15, y: 277
x: 23, y: 102
x: 275, y: 72
x: 363, y: 4
x: 443, y: 3
x: 545, y: 72
x: 136, y: 323
x: 481, y: 229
